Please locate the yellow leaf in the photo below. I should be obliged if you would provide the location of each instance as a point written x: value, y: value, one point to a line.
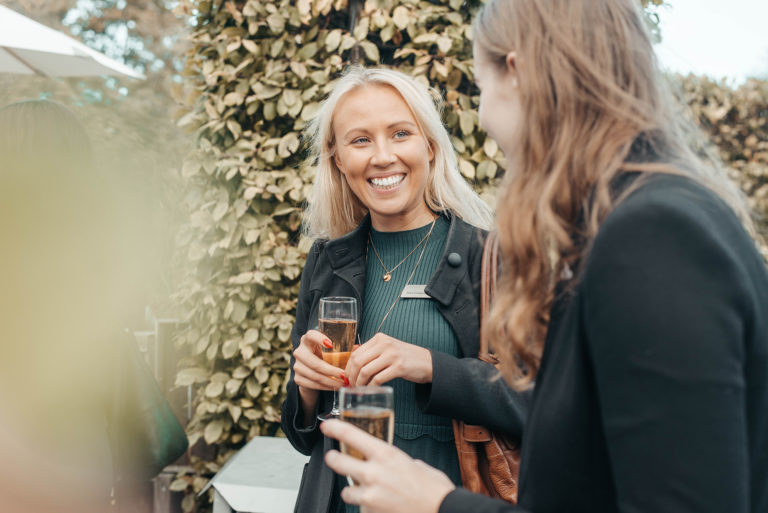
x: 214, y: 389
x: 178, y: 485
x: 400, y: 17
x: 332, y: 40
x: 229, y: 348
x: 251, y: 46
x: 444, y: 44
x: 262, y: 374
x: 251, y: 336
x: 213, y: 431
x: 490, y: 147
x: 233, y: 99
x: 252, y: 387
x: 371, y: 51
x: 466, y: 122
x: 466, y: 168
x: 276, y: 23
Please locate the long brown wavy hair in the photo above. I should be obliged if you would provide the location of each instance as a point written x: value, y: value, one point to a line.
x: 589, y: 88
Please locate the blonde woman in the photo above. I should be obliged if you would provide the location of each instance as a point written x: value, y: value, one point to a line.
x: 633, y: 294
x: 389, y: 208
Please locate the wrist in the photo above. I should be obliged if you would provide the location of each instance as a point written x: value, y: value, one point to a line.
x: 427, y: 368
x: 308, y: 397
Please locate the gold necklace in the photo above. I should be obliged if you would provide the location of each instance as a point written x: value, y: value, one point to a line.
x: 408, y: 281
x: 388, y: 272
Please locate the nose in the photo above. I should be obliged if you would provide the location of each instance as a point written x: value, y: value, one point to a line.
x: 383, y: 156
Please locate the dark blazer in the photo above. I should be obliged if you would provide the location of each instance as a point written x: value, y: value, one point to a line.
x: 652, y: 395
x: 461, y: 388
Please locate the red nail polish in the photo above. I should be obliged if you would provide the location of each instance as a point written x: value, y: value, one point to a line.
x: 327, y: 343
x: 346, y: 380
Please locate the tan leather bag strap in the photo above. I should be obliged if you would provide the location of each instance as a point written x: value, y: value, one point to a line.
x: 488, y: 275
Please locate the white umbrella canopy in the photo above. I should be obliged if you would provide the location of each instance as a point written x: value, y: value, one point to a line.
x: 28, y: 47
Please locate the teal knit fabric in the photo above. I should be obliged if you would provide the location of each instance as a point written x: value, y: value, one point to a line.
x: 416, y: 321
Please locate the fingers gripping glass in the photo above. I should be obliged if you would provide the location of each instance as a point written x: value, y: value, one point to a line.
x: 337, y: 320
x: 372, y: 410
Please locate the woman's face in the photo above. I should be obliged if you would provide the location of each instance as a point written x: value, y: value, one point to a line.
x: 499, y: 99
x: 383, y: 156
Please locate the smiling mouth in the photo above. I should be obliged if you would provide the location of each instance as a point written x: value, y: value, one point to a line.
x: 389, y: 182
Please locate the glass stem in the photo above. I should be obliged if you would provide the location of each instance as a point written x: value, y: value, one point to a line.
x: 335, y: 407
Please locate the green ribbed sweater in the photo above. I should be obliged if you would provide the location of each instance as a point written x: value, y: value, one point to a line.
x: 416, y: 321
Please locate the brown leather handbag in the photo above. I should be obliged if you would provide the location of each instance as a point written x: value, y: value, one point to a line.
x: 489, y: 461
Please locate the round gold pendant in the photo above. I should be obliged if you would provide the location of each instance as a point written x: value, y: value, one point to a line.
x: 386, y: 277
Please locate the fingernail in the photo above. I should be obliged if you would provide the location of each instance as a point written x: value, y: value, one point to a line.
x: 327, y: 343
x: 346, y: 381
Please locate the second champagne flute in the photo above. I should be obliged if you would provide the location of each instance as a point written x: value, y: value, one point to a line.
x: 337, y: 320
x: 372, y: 410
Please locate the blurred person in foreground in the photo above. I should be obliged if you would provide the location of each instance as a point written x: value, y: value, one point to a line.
x: 632, y: 293
x: 67, y: 272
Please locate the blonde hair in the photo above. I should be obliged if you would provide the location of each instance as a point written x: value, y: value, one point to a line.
x: 589, y: 88
x: 333, y: 209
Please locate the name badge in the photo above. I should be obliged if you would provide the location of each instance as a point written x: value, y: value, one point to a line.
x: 414, y: 292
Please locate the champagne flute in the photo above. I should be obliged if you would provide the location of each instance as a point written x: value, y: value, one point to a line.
x: 370, y: 409
x: 337, y: 320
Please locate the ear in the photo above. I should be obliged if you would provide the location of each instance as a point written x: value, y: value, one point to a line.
x: 431, y: 150
x: 337, y: 161
x: 511, y: 61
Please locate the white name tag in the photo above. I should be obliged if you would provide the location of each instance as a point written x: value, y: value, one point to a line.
x: 414, y: 292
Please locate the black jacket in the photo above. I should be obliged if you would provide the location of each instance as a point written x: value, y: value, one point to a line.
x: 652, y: 395
x: 461, y: 388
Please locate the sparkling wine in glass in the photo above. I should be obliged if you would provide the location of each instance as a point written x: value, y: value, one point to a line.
x: 372, y: 410
x: 337, y: 320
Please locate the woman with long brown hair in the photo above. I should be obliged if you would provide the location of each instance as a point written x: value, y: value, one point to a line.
x: 632, y: 293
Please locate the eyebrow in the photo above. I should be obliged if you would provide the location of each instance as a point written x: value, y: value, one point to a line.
x: 396, y: 123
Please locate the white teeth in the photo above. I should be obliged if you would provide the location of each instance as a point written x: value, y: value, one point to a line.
x: 388, y: 181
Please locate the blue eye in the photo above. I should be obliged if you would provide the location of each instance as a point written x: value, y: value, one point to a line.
x: 402, y: 133
x: 360, y: 140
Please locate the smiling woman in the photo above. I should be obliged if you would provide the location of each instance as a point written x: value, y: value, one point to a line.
x: 391, y: 213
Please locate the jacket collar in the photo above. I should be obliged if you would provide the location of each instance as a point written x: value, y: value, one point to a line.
x: 349, y: 248
x: 346, y: 255
x: 445, y: 280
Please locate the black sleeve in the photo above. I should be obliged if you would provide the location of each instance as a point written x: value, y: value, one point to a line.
x: 666, y: 303
x: 292, y: 417
x: 472, y: 390
x: 463, y: 501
